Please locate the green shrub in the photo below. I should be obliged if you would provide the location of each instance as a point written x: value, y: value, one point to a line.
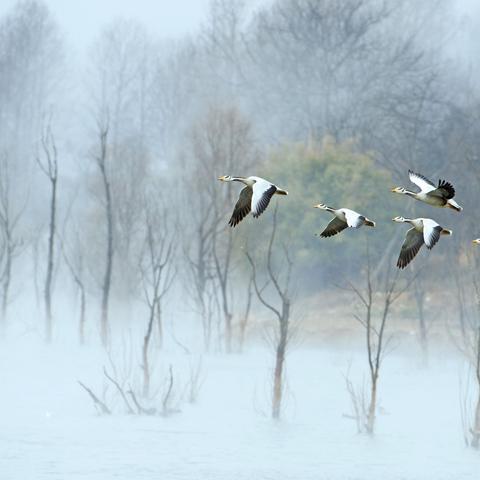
x: 338, y: 175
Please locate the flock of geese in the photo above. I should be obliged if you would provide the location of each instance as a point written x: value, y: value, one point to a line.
x: 257, y: 193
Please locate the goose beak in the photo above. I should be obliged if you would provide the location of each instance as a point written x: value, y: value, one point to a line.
x: 393, y: 189
x: 476, y: 241
x: 221, y: 178
x: 316, y: 206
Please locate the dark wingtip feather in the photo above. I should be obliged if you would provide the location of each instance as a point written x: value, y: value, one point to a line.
x: 401, y: 264
x: 448, y: 187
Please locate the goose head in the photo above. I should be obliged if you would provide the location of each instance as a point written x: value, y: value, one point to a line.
x: 225, y: 178
x: 399, y: 219
x: 398, y: 190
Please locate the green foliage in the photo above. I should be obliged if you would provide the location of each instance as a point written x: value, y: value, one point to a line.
x: 339, y: 176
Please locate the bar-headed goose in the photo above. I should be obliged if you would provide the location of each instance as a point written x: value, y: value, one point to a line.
x: 424, y: 231
x: 343, y: 218
x: 440, y: 195
x: 254, y: 197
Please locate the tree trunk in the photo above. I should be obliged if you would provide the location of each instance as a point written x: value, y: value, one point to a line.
x: 48, y: 280
x: 109, y: 257
x: 35, y: 272
x: 5, y: 289
x: 476, y: 425
x: 423, y: 331
x: 201, y: 281
x: 242, y: 333
x: 244, y: 321
x: 241, y: 336
x: 146, y: 343
x: 228, y: 332
x: 279, y: 362
x: 419, y: 293
x: 6, y: 284
x: 370, y: 427
x: 159, y: 325
x: 207, y: 326
x: 278, y: 380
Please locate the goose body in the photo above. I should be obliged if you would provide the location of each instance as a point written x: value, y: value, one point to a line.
x: 254, y: 197
x: 343, y: 218
x: 440, y: 195
x: 424, y: 231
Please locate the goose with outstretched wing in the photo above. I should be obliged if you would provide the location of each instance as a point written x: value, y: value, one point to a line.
x: 424, y: 231
x: 254, y: 197
x: 440, y: 195
x: 343, y: 218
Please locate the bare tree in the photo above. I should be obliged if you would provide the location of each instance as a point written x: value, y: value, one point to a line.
x: 49, y: 166
x: 120, y: 379
x: 469, y: 345
x: 419, y: 293
x: 198, y: 257
x: 119, y: 78
x: 158, y: 273
x: 280, y: 282
x: 31, y: 75
x: 223, y: 46
x: 196, y: 379
x: 222, y: 277
x: 174, y: 94
x: 343, y: 67
x: 200, y: 277
x: 11, y: 243
x: 246, y: 315
x: 100, y: 405
x: 376, y: 341
x: 221, y: 142
x: 475, y: 429
x: 75, y: 261
x: 119, y: 82
x: 101, y: 161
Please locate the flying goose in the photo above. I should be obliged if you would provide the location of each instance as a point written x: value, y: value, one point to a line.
x: 343, y: 218
x: 440, y: 195
x: 424, y: 231
x: 255, y: 197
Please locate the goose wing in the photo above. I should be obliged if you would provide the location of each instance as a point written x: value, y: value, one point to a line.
x: 263, y: 191
x: 421, y: 182
x: 431, y: 232
x: 335, y: 226
x: 242, y: 207
x: 445, y: 190
x: 411, y: 245
x: 354, y: 219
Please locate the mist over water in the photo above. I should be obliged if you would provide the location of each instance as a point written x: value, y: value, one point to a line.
x: 142, y: 336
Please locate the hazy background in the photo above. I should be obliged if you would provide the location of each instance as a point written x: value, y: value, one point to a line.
x: 141, y: 336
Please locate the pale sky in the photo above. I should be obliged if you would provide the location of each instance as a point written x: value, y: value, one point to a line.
x: 82, y: 20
